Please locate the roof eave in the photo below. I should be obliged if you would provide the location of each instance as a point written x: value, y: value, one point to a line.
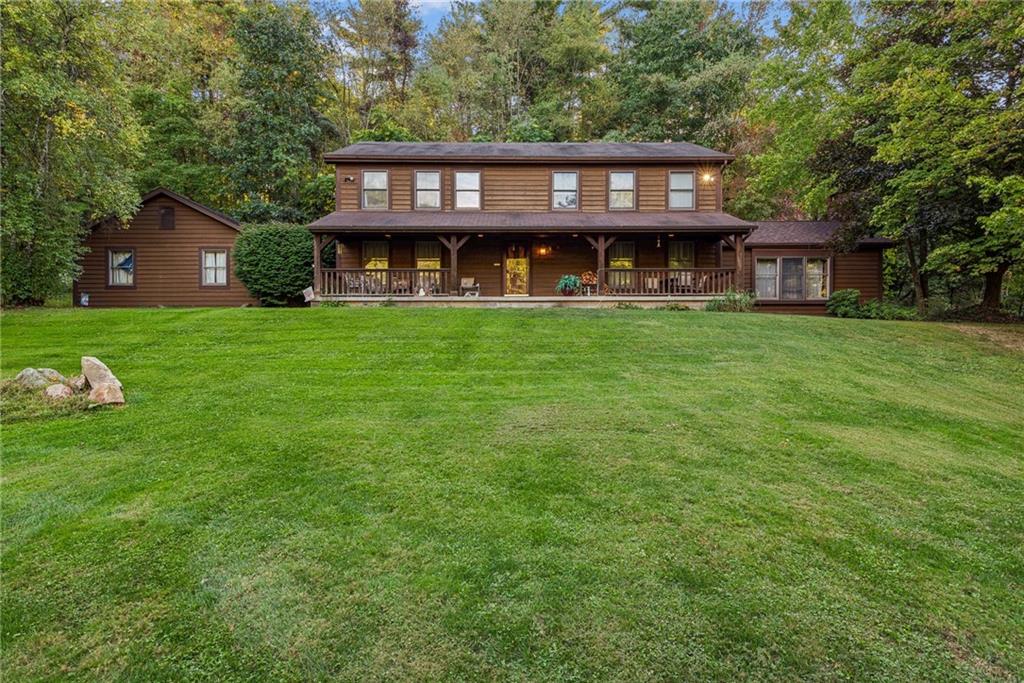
x: 463, y: 158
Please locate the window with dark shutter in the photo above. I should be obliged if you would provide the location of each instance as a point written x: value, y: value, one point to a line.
x: 167, y: 218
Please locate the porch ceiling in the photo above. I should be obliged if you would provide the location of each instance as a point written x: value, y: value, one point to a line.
x: 532, y: 221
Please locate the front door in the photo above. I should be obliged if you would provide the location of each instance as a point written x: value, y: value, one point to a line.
x: 517, y: 269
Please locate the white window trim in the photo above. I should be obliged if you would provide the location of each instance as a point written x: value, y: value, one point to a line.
x: 693, y: 191
x: 416, y: 189
x: 575, y: 174
x: 203, y: 268
x: 479, y: 191
x: 363, y: 190
x: 803, y: 276
x: 631, y: 207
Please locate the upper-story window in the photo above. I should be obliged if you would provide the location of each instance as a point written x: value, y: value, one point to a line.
x: 621, y: 190
x: 564, y: 190
x: 375, y: 189
x: 428, y: 190
x: 680, y: 190
x: 467, y: 189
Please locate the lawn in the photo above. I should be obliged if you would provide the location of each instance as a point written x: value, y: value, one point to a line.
x: 381, y: 494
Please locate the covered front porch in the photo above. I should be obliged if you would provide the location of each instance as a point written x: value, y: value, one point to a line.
x: 524, y: 269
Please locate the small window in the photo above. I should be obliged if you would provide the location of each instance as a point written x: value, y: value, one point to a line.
x: 167, y: 218
x: 816, y: 278
x: 467, y: 190
x: 428, y: 255
x: 121, y: 268
x: 766, y: 278
x: 680, y: 254
x: 621, y: 190
x: 680, y: 190
x: 428, y: 190
x: 564, y: 190
x: 375, y: 189
x: 215, y: 267
x: 375, y: 255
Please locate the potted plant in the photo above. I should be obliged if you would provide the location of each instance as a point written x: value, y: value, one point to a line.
x: 589, y: 281
x: 568, y: 285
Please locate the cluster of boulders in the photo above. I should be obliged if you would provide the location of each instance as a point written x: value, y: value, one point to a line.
x: 104, y: 388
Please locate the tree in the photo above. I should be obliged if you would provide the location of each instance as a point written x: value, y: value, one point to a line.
x: 70, y: 139
x: 681, y: 70
x: 795, y: 108
x: 277, y: 134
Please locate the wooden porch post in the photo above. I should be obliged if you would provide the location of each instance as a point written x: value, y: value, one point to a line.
x: 740, y: 257
x: 454, y: 243
x: 317, y: 266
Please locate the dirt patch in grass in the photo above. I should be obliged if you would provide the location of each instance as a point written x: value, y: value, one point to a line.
x: 18, y: 404
x: 1007, y: 336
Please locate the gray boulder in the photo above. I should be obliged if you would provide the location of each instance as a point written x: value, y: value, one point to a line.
x: 30, y: 378
x: 98, y: 373
x: 52, y: 375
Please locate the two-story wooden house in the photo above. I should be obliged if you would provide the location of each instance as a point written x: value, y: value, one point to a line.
x: 487, y: 223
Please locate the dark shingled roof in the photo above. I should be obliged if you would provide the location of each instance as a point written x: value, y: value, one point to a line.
x: 792, y: 233
x: 528, y: 221
x: 526, y: 151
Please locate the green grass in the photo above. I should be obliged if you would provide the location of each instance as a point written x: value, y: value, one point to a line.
x: 381, y: 494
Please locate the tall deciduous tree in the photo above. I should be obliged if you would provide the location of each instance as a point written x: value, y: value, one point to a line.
x: 681, y: 70
x: 278, y: 134
x: 70, y: 139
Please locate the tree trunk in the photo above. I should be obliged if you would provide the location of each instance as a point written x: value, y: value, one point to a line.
x: 993, y: 297
x: 919, y: 278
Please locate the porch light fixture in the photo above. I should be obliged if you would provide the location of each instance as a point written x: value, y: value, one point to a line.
x: 480, y: 234
x: 707, y: 177
x: 543, y: 250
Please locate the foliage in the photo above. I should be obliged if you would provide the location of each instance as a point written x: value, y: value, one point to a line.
x: 568, y: 284
x: 382, y: 127
x: 70, y: 140
x: 675, y: 306
x: 626, y: 306
x: 845, y: 303
x: 681, y: 70
x: 277, y: 135
x: 275, y: 262
x: 732, y: 302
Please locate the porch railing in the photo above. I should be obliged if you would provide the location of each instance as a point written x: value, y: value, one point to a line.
x: 666, y: 281
x: 383, y: 282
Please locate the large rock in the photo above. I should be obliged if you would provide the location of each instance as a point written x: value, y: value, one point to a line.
x: 58, y: 392
x: 106, y: 394
x: 98, y: 373
x: 52, y: 375
x: 30, y: 378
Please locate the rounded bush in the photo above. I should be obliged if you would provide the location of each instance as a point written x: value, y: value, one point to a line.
x: 275, y: 262
x: 844, y: 303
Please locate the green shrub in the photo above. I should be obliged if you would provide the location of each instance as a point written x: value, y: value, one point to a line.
x: 732, y: 302
x: 626, y: 306
x: 675, y: 306
x: 275, y: 262
x: 844, y: 303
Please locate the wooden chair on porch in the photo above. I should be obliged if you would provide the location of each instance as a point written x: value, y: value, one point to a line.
x: 468, y: 286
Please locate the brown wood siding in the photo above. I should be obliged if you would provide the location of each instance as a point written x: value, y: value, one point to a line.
x: 708, y: 192
x: 569, y: 256
x: 527, y: 187
x: 480, y: 258
x: 167, y: 270
x: 650, y: 185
